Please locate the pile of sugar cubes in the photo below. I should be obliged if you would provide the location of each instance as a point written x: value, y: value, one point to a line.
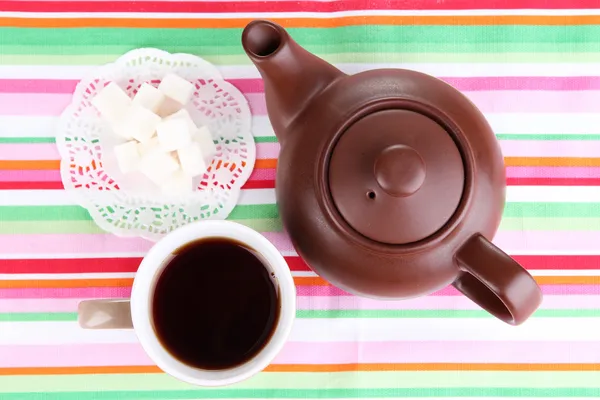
x: 162, y: 140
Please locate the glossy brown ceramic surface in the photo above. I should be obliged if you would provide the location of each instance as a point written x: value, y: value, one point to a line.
x: 390, y: 182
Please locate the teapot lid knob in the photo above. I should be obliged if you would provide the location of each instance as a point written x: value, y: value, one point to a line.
x: 396, y: 176
x: 400, y: 170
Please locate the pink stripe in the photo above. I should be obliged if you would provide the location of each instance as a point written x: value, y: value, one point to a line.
x: 270, y: 174
x: 431, y: 303
x: 67, y: 293
x: 487, y: 101
x: 322, y: 353
x: 267, y: 150
x: 73, y: 355
x: 552, y: 172
x: 525, y: 83
x: 557, y: 290
x: 34, y: 151
x: 515, y: 242
x: 546, y: 241
x: 550, y: 148
x: 302, y: 291
x: 263, y: 174
x: 566, y: 83
x: 39, y: 305
x: 52, y: 305
x: 33, y: 104
x: 8, y: 175
x: 510, y: 148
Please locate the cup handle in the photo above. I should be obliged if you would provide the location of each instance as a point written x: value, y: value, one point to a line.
x: 105, y: 314
x: 496, y: 282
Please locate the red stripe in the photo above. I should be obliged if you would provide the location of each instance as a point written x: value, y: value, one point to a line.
x: 31, y: 185
x: 559, y: 262
x: 286, y: 6
x: 69, y: 265
x: 112, y: 265
x: 94, y: 265
x: 553, y: 181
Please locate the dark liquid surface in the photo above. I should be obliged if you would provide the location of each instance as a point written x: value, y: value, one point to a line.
x: 215, y: 304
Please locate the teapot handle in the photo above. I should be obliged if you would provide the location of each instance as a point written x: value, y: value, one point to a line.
x: 496, y: 282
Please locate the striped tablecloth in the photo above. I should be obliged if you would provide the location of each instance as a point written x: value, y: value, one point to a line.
x: 532, y: 66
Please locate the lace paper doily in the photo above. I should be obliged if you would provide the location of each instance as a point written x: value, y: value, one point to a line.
x: 130, y: 205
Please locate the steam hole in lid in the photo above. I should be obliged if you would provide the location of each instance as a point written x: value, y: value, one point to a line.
x: 371, y: 195
x: 262, y: 39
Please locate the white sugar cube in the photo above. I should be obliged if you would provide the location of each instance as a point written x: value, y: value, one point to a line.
x: 183, y: 113
x: 169, y: 107
x: 203, y: 137
x: 176, y: 88
x: 127, y: 156
x: 178, y: 183
x: 173, y: 133
x: 191, y: 159
x: 139, y: 124
x: 149, y: 97
x: 150, y: 145
x: 112, y: 103
x: 158, y: 166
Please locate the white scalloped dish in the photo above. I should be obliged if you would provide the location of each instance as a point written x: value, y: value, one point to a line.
x: 129, y: 205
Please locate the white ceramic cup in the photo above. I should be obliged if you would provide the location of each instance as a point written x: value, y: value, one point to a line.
x: 136, y: 312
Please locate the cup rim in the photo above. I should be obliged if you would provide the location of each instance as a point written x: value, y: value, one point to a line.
x: 149, y: 271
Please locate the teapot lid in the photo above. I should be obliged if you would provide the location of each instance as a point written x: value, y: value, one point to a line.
x: 396, y: 176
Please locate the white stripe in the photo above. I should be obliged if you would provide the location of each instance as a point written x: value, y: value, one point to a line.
x: 528, y: 194
x: 62, y: 197
x: 515, y: 123
x: 41, y: 256
x: 544, y: 123
x: 448, y: 69
x: 112, y: 275
x: 341, y: 330
x: 564, y: 272
x: 100, y: 275
x: 249, y: 71
x: 42, y: 126
x: 553, y: 194
x: 292, y: 15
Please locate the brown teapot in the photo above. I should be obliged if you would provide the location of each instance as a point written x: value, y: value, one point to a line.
x: 390, y: 182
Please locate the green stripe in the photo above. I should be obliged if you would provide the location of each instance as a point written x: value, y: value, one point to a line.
x: 336, y: 314
x: 308, y: 380
x: 76, y: 213
x: 391, y: 392
x: 514, y: 214
x: 275, y: 225
x: 29, y: 140
x: 273, y: 139
x: 265, y: 139
x: 506, y: 56
x: 552, y: 210
x: 421, y: 37
x: 37, y: 317
x: 73, y: 227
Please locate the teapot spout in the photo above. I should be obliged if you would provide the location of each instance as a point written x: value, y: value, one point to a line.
x: 292, y: 76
